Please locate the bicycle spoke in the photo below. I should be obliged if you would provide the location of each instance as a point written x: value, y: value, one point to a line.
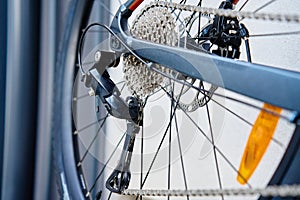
x: 142, y: 160
x: 232, y: 112
x: 90, y: 125
x: 264, y: 6
x: 92, y: 142
x: 243, y: 119
x: 122, y: 88
x: 209, y: 140
x: 181, y: 2
x: 162, y: 140
x: 214, y: 146
x: 109, y: 196
x: 202, y: 91
x: 181, y: 157
x: 87, y: 63
x: 110, y: 157
x: 253, y: 106
x: 232, y: 166
x: 142, y: 153
x: 170, y: 139
x: 276, y: 34
x: 217, y: 149
x: 80, y: 97
x: 120, y: 82
x: 156, y: 153
x: 193, y: 14
x: 157, y: 91
x: 261, y: 7
x: 244, y: 4
x: 199, y: 22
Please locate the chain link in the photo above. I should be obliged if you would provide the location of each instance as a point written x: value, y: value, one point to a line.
x: 293, y: 18
x: 270, y: 191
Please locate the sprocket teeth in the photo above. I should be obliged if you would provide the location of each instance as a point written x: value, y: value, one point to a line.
x: 155, y: 24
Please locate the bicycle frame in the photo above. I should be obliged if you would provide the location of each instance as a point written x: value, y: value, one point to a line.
x: 268, y: 84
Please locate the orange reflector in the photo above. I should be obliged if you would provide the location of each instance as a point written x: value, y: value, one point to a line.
x: 258, y: 141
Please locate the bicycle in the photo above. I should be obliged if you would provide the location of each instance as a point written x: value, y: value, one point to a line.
x: 188, y: 52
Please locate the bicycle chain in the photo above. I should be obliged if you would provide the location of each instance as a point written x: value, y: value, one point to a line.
x: 293, y: 18
x: 270, y: 191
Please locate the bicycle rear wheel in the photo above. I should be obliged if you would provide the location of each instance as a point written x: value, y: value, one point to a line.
x: 204, y: 147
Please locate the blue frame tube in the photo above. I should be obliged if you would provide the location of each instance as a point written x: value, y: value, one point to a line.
x: 268, y: 84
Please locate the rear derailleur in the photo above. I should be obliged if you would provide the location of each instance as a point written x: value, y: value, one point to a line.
x: 131, y: 110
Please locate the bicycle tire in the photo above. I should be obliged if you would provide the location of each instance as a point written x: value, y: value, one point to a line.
x: 62, y: 145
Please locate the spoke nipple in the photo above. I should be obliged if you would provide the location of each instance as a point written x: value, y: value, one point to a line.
x: 75, y: 132
x: 79, y: 164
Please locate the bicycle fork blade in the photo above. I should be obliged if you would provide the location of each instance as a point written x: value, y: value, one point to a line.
x: 119, y: 180
x: 260, y: 136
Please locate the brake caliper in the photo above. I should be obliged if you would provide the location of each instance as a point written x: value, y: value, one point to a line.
x: 226, y: 33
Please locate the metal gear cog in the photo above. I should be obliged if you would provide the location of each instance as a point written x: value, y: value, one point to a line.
x: 155, y: 24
